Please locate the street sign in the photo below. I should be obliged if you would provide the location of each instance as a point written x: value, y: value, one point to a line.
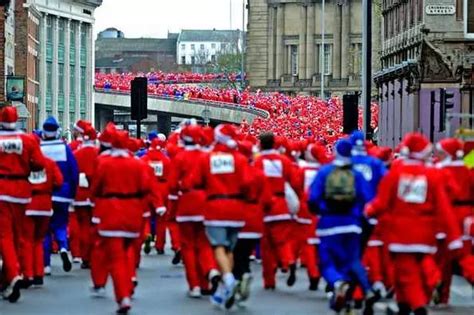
x: 440, y: 9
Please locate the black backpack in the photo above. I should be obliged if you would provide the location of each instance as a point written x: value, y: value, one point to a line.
x: 339, y: 189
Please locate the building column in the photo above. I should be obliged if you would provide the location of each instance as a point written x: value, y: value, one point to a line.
x: 302, y: 44
x: 357, y: 61
x: 78, y: 71
x: 43, y: 72
x: 271, y: 42
x: 345, y: 40
x: 89, y: 74
x: 310, y: 57
x: 55, y: 66
x: 336, y: 64
x: 280, y: 54
x: 67, y: 68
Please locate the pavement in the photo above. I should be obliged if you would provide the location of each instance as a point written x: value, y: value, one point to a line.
x: 162, y: 290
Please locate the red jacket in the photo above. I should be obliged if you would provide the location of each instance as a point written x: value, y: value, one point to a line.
x: 120, y: 189
x: 42, y: 185
x: 277, y: 169
x: 307, y: 174
x: 191, y: 202
x: 416, y: 201
x: 20, y: 154
x: 86, y: 157
x: 161, y: 165
x: 222, y: 175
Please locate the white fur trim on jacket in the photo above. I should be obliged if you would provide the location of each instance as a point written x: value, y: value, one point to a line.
x: 173, y: 197
x: 84, y: 203
x: 277, y: 217
x: 38, y: 213
x: 95, y: 220
x: 303, y: 220
x: 250, y: 235
x: 11, y: 199
x: 313, y: 241
x: 456, y: 244
x: 345, y: 229
x: 118, y: 233
x: 224, y: 223
x: 412, y: 248
x: 62, y: 199
x: 374, y: 243
x: 189, y: 218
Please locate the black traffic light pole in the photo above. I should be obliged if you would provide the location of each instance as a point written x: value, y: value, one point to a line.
x: 367, y: 66
x: 432, y: 110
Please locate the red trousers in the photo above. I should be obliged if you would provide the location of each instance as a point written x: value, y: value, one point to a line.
x: 161, y: 225
x: 444, y: 261
x: 380, y: 268
x: 83, y: 235
x: 11, y: 220
x: 116, y: 260
x: 35, y: 229
x: 416, y: 275
x: 74, y: 235
x: 276, y: 249
x: 99, y: 271
x: 197, y: 253
x: 301, y: 248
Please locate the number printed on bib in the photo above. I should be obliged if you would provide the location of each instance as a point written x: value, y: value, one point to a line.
x: 273, y: 168
x: 413, y: 189
x: 11, y: 146
x: 365, y: 170
x: 37, y: 178
x: 222, y: 164
x: 157, y: 168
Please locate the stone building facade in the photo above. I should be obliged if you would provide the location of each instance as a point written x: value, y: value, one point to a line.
x: 284, y: 45
x: 426, y: 45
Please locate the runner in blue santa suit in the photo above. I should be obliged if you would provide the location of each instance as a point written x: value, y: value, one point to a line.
x: 340, y: 231
x: 55, y: 149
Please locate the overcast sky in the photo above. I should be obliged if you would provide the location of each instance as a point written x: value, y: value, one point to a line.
x: 154, y: 18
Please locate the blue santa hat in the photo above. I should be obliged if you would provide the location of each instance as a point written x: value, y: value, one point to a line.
x: 152, y: 135
x: 357, y: 140
x: 343, y: 152
x: 50, y: 128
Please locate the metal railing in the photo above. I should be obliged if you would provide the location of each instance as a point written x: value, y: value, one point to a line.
x: 216, y: 104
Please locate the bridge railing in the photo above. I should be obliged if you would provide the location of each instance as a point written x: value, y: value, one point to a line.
x: 216, y: 104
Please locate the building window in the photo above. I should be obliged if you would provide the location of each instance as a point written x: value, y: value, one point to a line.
x: 183, y: 46
x: 193, y: 60
x: 213, y: 45
x: 49, y: 77
x: 201, y: 47
x: 327, y: 59
x: 49, y: 28
x: 61, y: 32
x: 294, y: 60
x: 470, y: 17
x: 193, y: 47
x: 61, y: 78
x: 213, y: 58
x: 183, y: 60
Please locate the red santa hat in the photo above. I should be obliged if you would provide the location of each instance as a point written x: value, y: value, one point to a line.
x: 157, y: 144
x: 246, y: 148
x: 8, y: 117
x: 416, y: 146
x: 226, y: 134
x: 316, y: 153
x: 90, y: 133
x: 133, y: 144
x: 451, y: 146
x: 107, y: 135
x: 120, y: 140
x: 81, y: 126
x: 191, y: 134
x: 208, y: 136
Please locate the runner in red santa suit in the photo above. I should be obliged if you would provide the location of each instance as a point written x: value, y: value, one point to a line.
x: 304, y: 241
x: 86, y: 156
x: 78, y: 133
x: 161, y: 165
x: 20, y: 155
x: 450, y: 153
x: 198, y: 258
x: 36, y: 222
x: 276, y: 246
x: 222, y: 175
x: 415, y: 192
x: 119, y: 189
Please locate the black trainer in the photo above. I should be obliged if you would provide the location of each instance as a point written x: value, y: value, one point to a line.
x: 177, y: 258
x: 292, y: 277
x: 67, y: 266
x: 38, y: 281
x: 314, y: 284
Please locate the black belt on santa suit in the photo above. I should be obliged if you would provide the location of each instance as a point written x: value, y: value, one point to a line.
x: 279, y: 194
x: 13, y: 177
x: 224, y: 197
x: 463, y: 202
x: 121, y: 196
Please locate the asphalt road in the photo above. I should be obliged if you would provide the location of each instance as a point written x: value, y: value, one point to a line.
x: 162, y: 290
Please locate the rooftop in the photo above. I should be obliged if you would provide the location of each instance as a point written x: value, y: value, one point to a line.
x: 209, y: 35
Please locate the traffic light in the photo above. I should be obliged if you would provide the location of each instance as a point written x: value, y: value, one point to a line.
x: 4, y: 3
x: 446, y: 103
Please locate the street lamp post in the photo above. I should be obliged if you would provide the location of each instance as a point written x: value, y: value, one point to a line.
x: 367, y: 66
x: 321, y: 58
x: 242, y: 61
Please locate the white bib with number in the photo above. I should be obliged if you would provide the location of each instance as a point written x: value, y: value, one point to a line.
x: 37, y: 178
x: 83, y: 182
x: 157, y: 168
x: 11, y: 146
x: 413, y: 189
x: 273, y: 168
x: 56, y: 152
x: 222, y: 164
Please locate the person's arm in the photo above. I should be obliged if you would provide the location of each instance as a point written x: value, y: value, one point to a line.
x: 73, y: 169
x: 57, y: 175
x: 37, y: 161
x: 383, y: 200
x: 316, y: 203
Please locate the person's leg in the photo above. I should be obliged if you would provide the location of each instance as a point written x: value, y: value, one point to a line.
x: 29, y: 232
x: 328, y: 260
x: 269, y: 262
x: 84, y: 216
x: 160, y: 231
x: 186, y: 230
x: 74, y: 236
x: 99, y: 267
x: 60, y: 223
x: 41, y: 231
x: 174, y: 234
x: 239, y: 259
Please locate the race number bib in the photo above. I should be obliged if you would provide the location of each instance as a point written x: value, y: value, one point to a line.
x: 365, y: 170
x: 309, y: 176
x: 157, y: 168
x: 273, y: 168
x: 11, y: 146
x: 413, y: 189
x: 56, y: 152
x: 37, y: 178
x: 222, y: 164
x: 83, y: 182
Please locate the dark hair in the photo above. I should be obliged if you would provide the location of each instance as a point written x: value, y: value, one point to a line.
x: 267, y: 141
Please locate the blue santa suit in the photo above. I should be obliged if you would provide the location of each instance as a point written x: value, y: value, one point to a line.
x: 61, y: 153
x: 340, y: 233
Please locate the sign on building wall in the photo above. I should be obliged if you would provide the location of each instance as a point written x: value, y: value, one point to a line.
x: 440, y: 9
x: 15, y: 88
